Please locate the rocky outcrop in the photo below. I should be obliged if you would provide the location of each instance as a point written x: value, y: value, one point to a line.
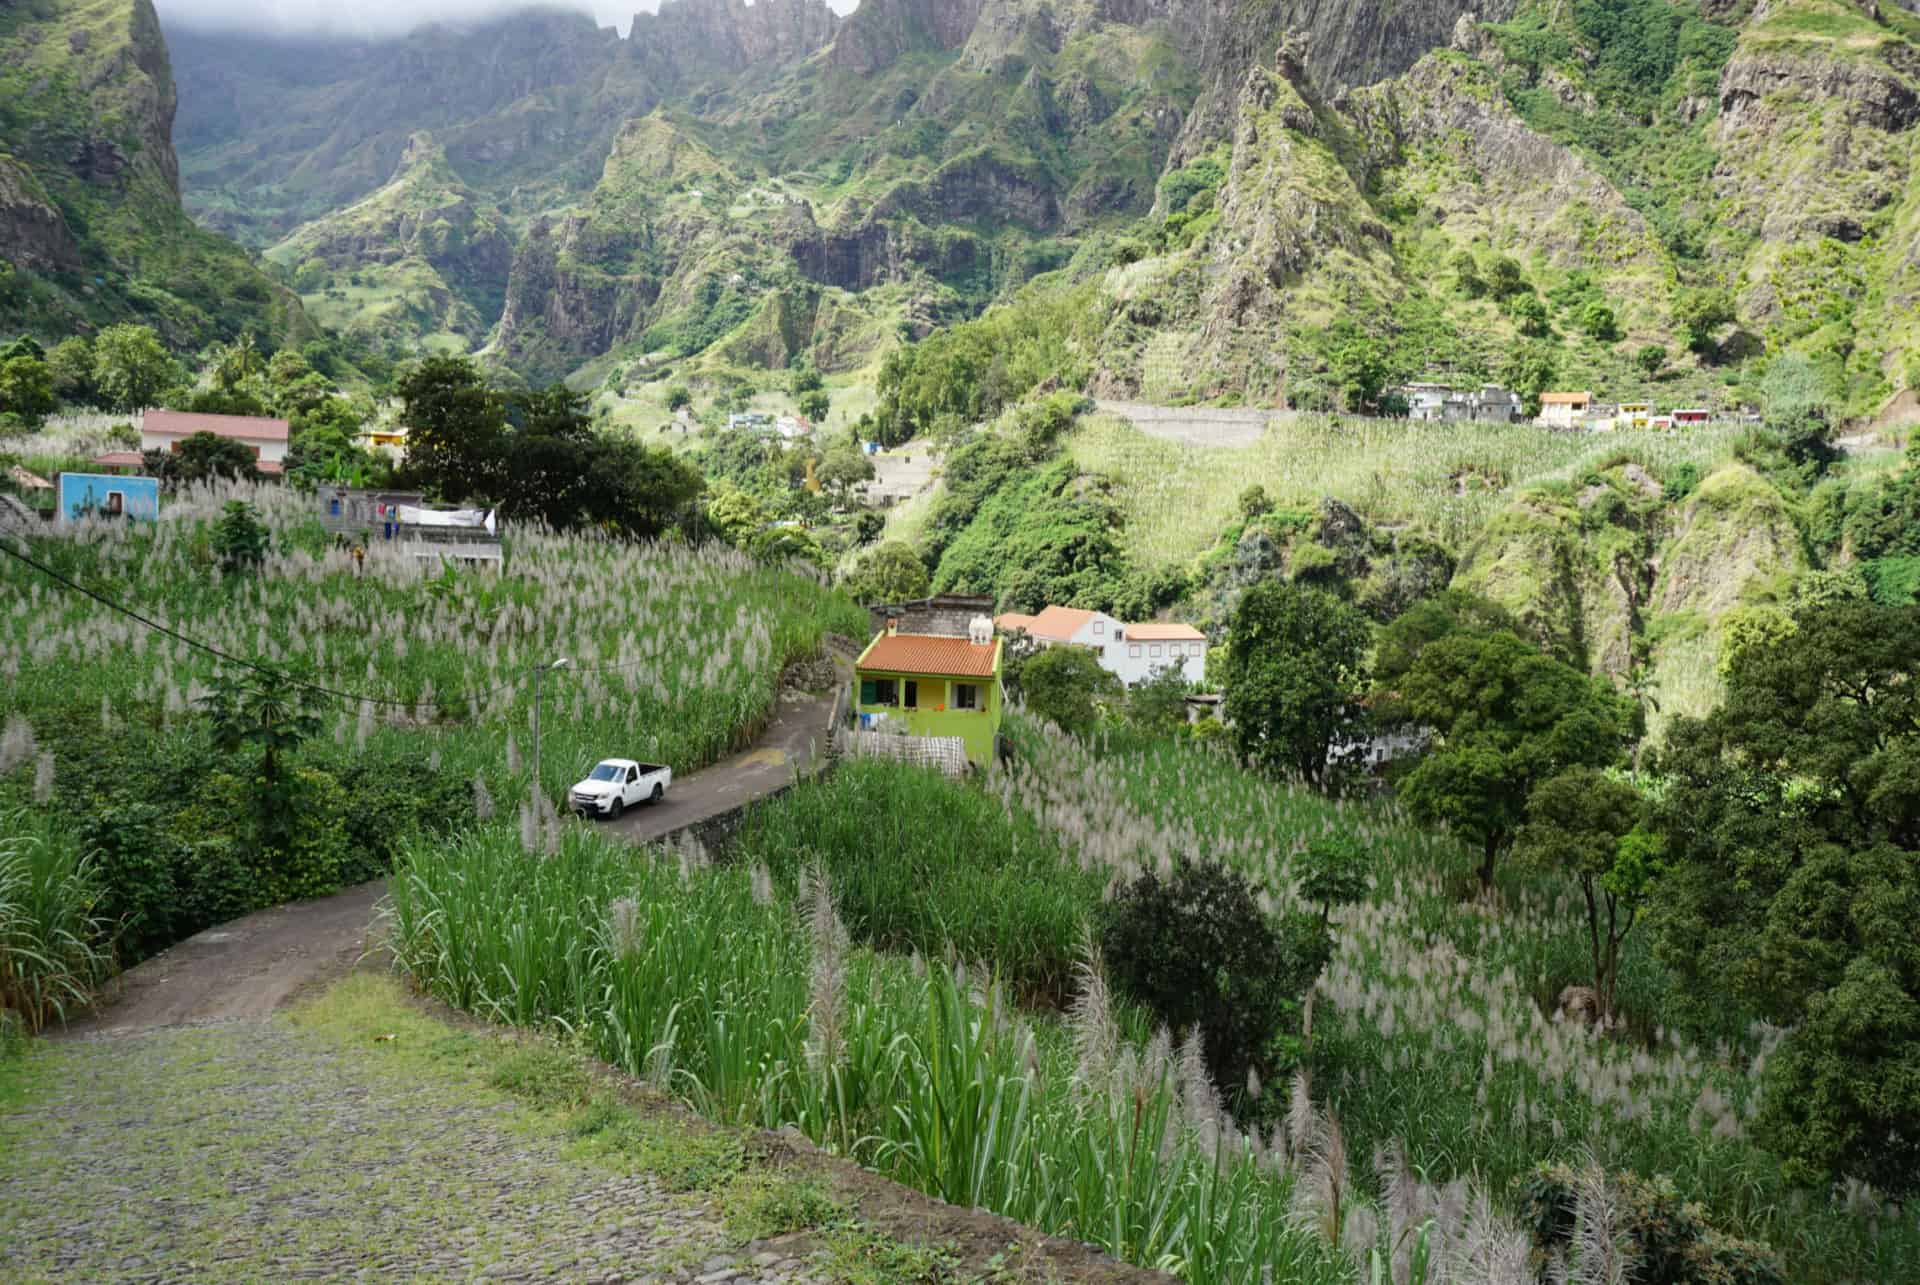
x: 562, y: 305
x: 33, y: 234
x: 1877, y: 93
x: 733, y: 35
x: 876, y: 34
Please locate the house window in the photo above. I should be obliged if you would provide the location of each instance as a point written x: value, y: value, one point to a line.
x: 966, y: 696
x: 1133, y: 650
x: 1154, y: 650
x: 1196, y: 650
x: 116, y: 503
x: 877, y: 691
x: 913, y: 694
x: 1099, y: 626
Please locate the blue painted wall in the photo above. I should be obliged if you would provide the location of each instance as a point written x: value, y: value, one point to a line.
x: 81, y: 493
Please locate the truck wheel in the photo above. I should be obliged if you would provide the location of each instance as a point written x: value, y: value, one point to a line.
x: 659, y: 791
x: 619, y: 806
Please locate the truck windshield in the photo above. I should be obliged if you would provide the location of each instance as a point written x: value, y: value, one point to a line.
x: 606, y: 772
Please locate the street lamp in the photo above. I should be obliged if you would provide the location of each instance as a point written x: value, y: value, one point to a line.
x: 538, y: 674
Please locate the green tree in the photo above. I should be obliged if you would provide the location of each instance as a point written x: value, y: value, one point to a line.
x: 1597, y: 319
x: 891, y: 573
x: 1503, y: 717
x: 804, y: 378
x: 1698, y: 313
x: 1792, y: 821
x: 843, y: 468
x: 1530, y: 370
x: 71, y: 364
x: 1466, y: 274
x: 456, y: 429
x: 735, y: 515
x: 1158, y: 703
x: 26, y: 391
x: 240, y: 537
x: 1530, y: 315
x: 679, y: 397
x: 1586, y: 825
x: 235, y: 365
x: 814, y: 404
x: 1506, y: 278
x: 1650, y: 358
x: 1064, y: 685
x: 1294, y: 672
x: 265, y: 710
x: 1357, y: 362
x: 1254, y: 502
x: 1333, y: 871
x: 202, y: 457
x: 130, y: 368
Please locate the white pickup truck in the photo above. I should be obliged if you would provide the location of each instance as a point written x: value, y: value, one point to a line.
x: 615, y: 785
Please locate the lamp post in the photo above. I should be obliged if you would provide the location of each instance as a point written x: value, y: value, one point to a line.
x: 539, y: 674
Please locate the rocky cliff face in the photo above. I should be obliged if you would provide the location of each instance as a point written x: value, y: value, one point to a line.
x: 879, y: 32
x: 91, y: 186
x: 688, y: 36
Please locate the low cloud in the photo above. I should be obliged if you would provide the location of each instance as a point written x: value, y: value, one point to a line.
x: 379, y: 19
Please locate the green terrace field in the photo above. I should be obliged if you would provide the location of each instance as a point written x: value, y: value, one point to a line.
x: 1445, y: 479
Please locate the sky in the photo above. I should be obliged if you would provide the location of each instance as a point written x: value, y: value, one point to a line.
x: 377, y: 18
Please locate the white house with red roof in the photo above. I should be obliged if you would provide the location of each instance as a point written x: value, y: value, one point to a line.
x: 164, y: 430
x: 1131, y: 653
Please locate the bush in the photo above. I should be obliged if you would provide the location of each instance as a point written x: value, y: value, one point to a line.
x: 1669, y: 1239
x: 1063, y: 686
x: 1196, y: 950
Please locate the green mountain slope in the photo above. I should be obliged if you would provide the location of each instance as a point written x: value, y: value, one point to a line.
x: 90, y: 215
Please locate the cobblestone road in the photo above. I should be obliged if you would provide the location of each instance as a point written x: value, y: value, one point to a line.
x: 254, y: 1150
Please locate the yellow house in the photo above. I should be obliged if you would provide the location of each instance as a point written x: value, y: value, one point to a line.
x: 928, y: 685
x: 1563, y: 410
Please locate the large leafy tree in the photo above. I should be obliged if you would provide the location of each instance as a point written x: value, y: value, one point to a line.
x: 1585, y: 824
x: 26, y: 391
x: 536, y: 454
x: 456, y: 428
x: 1064, y: 685
x: 1294, y: 673
x: 891, y: 573
x: 1504, y: 717
x: 1792, y: 820
x: 201, y: 457
x: 130, y: 368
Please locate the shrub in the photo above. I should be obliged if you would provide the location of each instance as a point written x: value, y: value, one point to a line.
x: 1063, y: 684
x: 1196, y: 950
x: 1669, y: 1239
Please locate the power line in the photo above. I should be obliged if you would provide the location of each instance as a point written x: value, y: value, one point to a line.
x: 196, y: 643
x: 257, y: 667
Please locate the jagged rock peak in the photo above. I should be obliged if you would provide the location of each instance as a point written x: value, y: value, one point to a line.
x: 880, y: 31
x: 736, y: 32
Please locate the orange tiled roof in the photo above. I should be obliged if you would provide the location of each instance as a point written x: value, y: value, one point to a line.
x: 926, y: 654
x: 1164, y: 633
x: 1009, y: 621
x: 1565, y: 399
x: 1058, y: 623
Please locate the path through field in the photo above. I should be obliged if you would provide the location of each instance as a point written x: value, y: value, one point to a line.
x: 1194, y: 425
x: 250, y: 1107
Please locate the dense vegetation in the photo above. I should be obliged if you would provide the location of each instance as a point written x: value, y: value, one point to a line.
x: 177, y: 790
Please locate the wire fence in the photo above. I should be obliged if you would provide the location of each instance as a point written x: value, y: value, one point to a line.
x: 946, y: 754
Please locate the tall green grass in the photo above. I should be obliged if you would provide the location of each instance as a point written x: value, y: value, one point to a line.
x: 1435, y: 1022
x: 758, y: 1011
x: 923, y: 863
x: 51, y: 949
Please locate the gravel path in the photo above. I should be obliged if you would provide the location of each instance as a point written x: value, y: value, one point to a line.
x: 248, y: 1150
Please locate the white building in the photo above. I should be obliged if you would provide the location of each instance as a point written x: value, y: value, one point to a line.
x: 1132, y: 653
x: 165, y: 430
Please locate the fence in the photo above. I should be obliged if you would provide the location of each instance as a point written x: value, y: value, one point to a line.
x: 947, y: 754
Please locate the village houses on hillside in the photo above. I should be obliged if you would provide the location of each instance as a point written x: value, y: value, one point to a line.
x: 932, y: 674
x: 1131, y: 653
